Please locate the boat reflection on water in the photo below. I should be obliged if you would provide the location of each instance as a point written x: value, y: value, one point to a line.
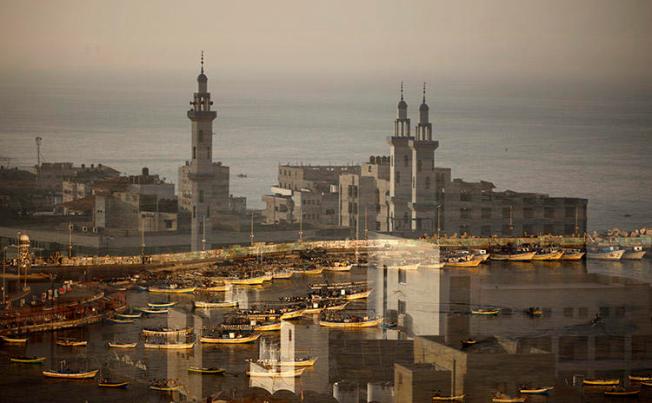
x: 558, y: 327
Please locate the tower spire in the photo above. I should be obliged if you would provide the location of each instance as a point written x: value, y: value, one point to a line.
x: 402, y: 91
x: 202, y: 62
x: 424, y: 92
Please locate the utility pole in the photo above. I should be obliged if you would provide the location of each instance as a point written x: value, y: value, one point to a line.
x: 38, y: 158
x: 577, y: 226
x: 142, y: 239
x: 203, y: 237
x: 251, y: 231
x: 69, y: 239
x: 366, y: 228
x: 301, y: 227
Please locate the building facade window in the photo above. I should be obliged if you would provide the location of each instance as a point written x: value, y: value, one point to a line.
x: 402, y: 276
x: 200, y: 136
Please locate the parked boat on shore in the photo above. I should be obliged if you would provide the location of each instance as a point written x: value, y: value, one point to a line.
x: 548, y: 254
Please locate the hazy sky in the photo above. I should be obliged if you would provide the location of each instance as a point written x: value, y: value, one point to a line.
x: 608, y: 40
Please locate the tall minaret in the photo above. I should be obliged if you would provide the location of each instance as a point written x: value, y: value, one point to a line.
x: 201, y: 166
x: 400, y: 170
x: 423, y: 204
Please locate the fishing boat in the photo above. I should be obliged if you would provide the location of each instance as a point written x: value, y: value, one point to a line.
x: 359, y: 295
x: 432, y: 265
x: 230, y: 338
x: 28, y: 360
x: 316, y: 306
x: 501, y: 398
x: 461, y: 261
x: 468, y: 342
x: 548, y: 254
x: 534, y: 312
x: 164, y: 386
x: 14, y: 340
x: 71, y: 343
x: 161, y: 304
x: 166, y: 332
x: 572, y: 254
x: 605, y: 253
x: 172, y: 289
x: 268, y: 327
x: 601, y: 382
x: 634, y: 253
x: 312, y: 271
x: 153, y: 311
x: 640, y: 378
x: 105, y: 383
x: 209, y: 305
x: 621, y: 392
x: 276, y: 372
x: 485, y: 311
x: 513, y: 254
x: 207, y: 371
x: 294, y: 314
x: 119, y: 321
x: 69, y: 374
x: 170, y: 346
x: 129, y: 315
x: 282, y: 274
x: 301, y: 362
x: 452, y: 398
x: 121, y: 345
x: 216, y: 288
x: 536, y: 391
x: 257, y: 280
x: 351, y: 323
x: 647, y: 384
x: 480, y: 254
x: 339, y: 267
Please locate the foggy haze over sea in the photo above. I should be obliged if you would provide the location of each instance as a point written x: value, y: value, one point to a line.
x: 591, y: 144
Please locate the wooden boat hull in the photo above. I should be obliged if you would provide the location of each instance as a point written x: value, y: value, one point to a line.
x: 456, y: 398
x: 14, y: 340
x: 240, y: 340
x: 157, y: 290
x: 303, y: 363
x: 312, y: 272
x: 214, y: 305
x: 485, y: 312
x: 167, y: 333
x: 129, y: 315
x: 339, y: 268
x: 467, y: 263
x: 114, y: 385
x: 508, y: 400
x: 573, y: 256
x: 292, y: 315
x: 359, y: 295
x: 71, y: 343
x: 119, y: 321
x: 206, y: 371
x: 351, y: 325
x: 282, y: 275
x: 154, y: 311
x: 171, y: 346
x: 513, y: 257
x: 161, y: 304
x: 249, y: 281
x: 276, y: 374
x: 77, y: 375
x: 640, y: 378
x: 548, y: 256
x: 612, y: 256
x: 164, y: 388
x: 35, y: 360
x: 538, y: 391
x: 122, y: 345
x: 601, y: 382
x: 273, y: 327
x: 217, y: 288
x: 635, y: 255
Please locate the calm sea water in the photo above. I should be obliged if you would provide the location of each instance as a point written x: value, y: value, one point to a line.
x: 558, y: 349
x: 597, y: 147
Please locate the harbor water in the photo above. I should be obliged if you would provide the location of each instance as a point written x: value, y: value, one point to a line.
x: 418, y: 354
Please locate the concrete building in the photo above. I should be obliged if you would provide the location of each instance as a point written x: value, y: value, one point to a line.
x: 411, y: 196
x: 79, y: 183
x: 307, y: 194
x: 203, y: 184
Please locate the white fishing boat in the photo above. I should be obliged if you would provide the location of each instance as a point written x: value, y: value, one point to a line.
x: 170, y: 346
x: 634, y: 253
x: 215, y: 305
x: 605, y: 253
